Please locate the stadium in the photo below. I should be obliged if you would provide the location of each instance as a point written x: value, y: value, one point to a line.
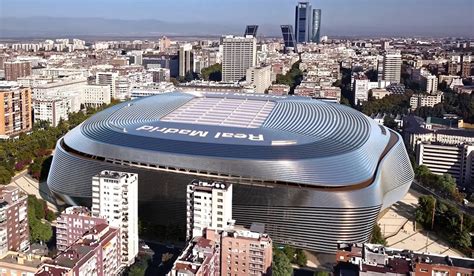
x: 314, y: 173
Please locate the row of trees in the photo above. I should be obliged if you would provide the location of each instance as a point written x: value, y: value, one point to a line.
x: 391, y: 104
x: 32, y: 151
x: 443, y: 184
x: 37, y: 212
x: 446, y: 220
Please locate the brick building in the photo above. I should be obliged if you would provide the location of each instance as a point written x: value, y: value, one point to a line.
x: 72, y: 224
x: 14, y: 232
x: 16, y: 69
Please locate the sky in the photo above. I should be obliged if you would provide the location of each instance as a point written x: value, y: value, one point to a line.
x: 338, y: 16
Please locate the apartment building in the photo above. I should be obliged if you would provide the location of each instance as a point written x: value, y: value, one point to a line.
x: 51, y: 109
x: 15, y: 112
x: 96, y: 253
x: 96, y: 95
x: 72, y: 224
x: 419, y: 100
x: 16, y: 69
x: 259, y: 77
x: 14, y: 231
x: 114, y: 197
x: 110, y: 79
x: 16, y: 263
x: 209, y: 205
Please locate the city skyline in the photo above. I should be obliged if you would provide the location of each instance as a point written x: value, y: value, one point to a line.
x: 341, y: 17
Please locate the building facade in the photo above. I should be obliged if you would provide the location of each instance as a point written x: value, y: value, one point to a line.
x: 115, y: 199
x: 108, y: 78
x: 392, y: 66
x: 186, y: 59
x: 209, y: 205
x: 96, y: 95
x: 72, y: 224
x: 239, y: 54
x: 303, y: 22
x: 316, y: 28
x: 51, y: 109
x: 260, y: 77
x: 16, y: 69
x: 15, y: 112
x: 13, y: 219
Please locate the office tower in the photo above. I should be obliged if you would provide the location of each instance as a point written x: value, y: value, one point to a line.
x: 251, y: 30
x: 260, y: 77
x: 108, y: 78
x: 14, y: 231
x: 164, y: 44
x: 239, y: 54
x: 115, y: 197
x: 209, y: 205
x: 245, y: 252
x: 15, y: 112
x: 16, y: 69
x: 97, y: 252
x: 392, y: 66
x: 72, y: 224
x: 51, y: 109
x: 186, y: 59
x: 288, y: 37
x: 303, y: 22
x: 316, y: 26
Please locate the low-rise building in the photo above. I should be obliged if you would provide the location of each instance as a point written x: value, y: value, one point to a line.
x: 375, y: 259
x: 15, y: 263
x: 259, y: 77
x: 51, y: 109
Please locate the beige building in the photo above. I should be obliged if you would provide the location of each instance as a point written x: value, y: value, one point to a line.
x: 15, y: 113
x: 420, y: 100
x: 260, y: 77
x: 239, y: 54
x: 392, y: 66
x: 379, y: 93
x: 16, y: 264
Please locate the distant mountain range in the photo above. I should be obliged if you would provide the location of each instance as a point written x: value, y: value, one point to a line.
x: 53, y: 27
x: 12, y: 27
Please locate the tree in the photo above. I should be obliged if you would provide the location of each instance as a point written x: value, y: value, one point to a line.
x: 36, y: 212
x: 376, y: 236
x: 425, y: 212
x: 289, y: 252
x: 301, y: 258
x: 281, y: 266
x: 5, y: 175
x: 212, y: 73
x: 321, y: 273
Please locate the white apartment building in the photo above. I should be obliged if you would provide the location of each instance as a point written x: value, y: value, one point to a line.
x: 96, y: 95
x: 115, y: 198
x: 107, y: 78
x: 392, y: 66
x: 260, y: 78
x: 51, y: 109
x: 239, y: 54
x: 420, y: 100
x: 122, y: 88
x: 456, y: 160
x: 428, y: 82
x: 209, y: 205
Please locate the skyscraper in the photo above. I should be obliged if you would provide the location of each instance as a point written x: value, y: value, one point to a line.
x: 115, y: 198
x: 251, y: 30
x: 186, y: 60
x: 239, y: 54
x: 316, y: 26
x: 303, y: 22
x: 392, y: 66
x: 288, y: 37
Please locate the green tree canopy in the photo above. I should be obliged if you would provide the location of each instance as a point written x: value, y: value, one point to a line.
x: 212, y: 73
x: 376, y: 236
x: 281, y: 265
x: 301, y: 258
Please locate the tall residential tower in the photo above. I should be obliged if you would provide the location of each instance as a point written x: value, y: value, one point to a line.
x: 239, y: 54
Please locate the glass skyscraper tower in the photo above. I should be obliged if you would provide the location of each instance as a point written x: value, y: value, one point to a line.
x: 307, y: 23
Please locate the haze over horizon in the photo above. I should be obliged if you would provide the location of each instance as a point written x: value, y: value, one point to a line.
x: 214, y: 17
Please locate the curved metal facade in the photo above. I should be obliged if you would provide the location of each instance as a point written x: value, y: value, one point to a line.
x: 327, y: 185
